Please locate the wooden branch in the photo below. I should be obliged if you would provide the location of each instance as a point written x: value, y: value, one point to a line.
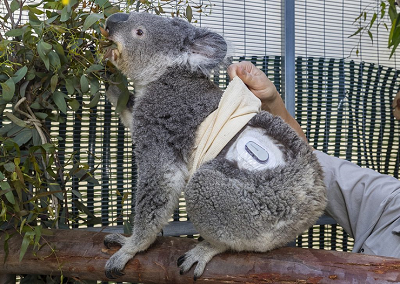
x: 81, y: 254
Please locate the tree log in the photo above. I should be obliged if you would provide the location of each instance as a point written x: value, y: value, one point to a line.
x: 82, y: 255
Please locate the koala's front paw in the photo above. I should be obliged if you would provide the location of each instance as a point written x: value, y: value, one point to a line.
x: 114, y: 239
x: 116, y: 264
x: 201, y: 254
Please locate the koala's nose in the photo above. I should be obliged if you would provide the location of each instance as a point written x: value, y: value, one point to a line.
x: 115, y: 19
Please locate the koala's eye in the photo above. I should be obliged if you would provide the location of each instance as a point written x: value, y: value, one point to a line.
x: 139, y: 32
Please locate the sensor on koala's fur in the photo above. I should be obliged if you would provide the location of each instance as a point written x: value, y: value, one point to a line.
x: 256, y: 191
x: 257, y: 152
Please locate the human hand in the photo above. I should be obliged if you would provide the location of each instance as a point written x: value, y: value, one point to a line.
x: 257, y: 82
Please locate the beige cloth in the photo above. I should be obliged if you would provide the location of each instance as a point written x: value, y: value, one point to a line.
x: 237, y: 106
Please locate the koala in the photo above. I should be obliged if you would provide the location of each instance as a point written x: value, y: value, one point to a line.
x: 235, y: 205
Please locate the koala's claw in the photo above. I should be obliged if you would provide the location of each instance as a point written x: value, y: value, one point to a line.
x: 114, y: 273
x: 181, y: 259
x: 201, y: 254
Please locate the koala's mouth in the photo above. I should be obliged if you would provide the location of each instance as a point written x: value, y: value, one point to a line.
x: 109, y: 46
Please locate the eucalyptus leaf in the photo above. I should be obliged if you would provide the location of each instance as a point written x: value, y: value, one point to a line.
x: 14, y: 130
x: 9, y: 167
x: 53, y: 82
x: 94, y: 101
x: 41, y: 115
x: 54, y: 59
x: 20, y: 74
x: 52, y: 19
x: 26, y: 241
x: 94, y: 68
x: 84, y: 84
x: 14, y: 6
x: 122, y: 99
x: 65, y: 14
x: 69, y: 86
x: 22, y: 88
x: 8, y: 89
x: 91, y: 19
x: 189, y: 13
x: 55, y: 188
x: 74, y: 104
x: 10, y: 197
x: 94, y: 85
x: 36, y: 139
x: 15, y: 32
x: 15, y: 119
x: 59, y: 100
x: 23, y: 137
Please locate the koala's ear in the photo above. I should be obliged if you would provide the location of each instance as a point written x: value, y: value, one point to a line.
x: 206, y: 50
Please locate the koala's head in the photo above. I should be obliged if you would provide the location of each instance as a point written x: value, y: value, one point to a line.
x: 147, y: 44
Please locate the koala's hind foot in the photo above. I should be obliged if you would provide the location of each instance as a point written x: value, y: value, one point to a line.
x: 118, y: 260
x: 202, y: 253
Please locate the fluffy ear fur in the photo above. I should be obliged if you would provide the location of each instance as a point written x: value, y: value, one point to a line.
x: 207, y: 50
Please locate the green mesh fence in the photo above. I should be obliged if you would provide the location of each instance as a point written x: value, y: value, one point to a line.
x: 344, y: 108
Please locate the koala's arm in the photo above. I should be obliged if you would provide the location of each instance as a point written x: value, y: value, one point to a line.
x: 113, y: 94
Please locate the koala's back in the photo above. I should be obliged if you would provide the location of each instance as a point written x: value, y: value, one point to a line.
x: 172, y: 108
x: 258, y: 209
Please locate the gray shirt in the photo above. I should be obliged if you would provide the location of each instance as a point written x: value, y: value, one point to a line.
x: 365, y: 203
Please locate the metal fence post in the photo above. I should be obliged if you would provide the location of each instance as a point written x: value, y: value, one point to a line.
x: 288, y: 55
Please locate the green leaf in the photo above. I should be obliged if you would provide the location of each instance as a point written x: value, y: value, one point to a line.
x: 41, y: 115
x: 44, y: 47
x: 15, y: 32
x: 357, y: 32
x: 8, y: 89
x: 36, y: 139
x: 371, y: 36
x: 94, y: 85
x: 22, y: 88
x: 52, y: 19
x: 53, y: 82
x: 373, y: 20
x: 28, y: 237
x: 15, y: 119
x: 9, y: 167
x: 69, y: 86
x: 14, y: 6
x: 38, y: 234
x: 54, y: 59
x: 84, y: 84
x: 55, y: 189
x: 189, y: 13
x: 23, y: 137
x: 74, y: 104
x: 5, y: 186
x: 94, y: 101
x: 65, y: 14
x: 20, y: 74
x: 94, y: 68
x: 91, y: 19
x: 59, y: 100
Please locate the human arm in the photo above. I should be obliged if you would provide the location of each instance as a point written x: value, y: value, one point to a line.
x: 259, y: 84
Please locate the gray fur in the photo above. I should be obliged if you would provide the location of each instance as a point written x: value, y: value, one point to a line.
x: 169, y: 61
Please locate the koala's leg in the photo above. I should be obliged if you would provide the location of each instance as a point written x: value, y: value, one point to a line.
x: 202, y: 254
x: 159, y: 188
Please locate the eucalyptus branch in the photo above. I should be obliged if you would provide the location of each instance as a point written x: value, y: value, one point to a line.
x: 10, y: 14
